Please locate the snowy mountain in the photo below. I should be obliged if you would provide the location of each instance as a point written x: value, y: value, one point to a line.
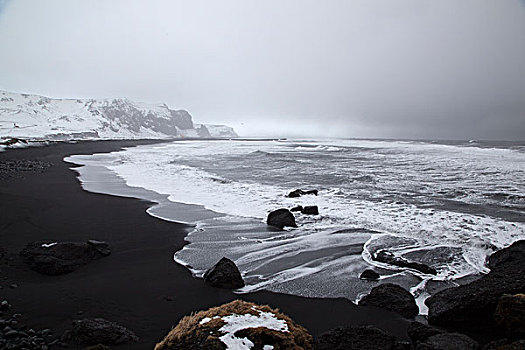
x: 38, y: 117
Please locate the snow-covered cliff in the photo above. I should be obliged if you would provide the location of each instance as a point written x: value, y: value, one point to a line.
x: 38, y: 117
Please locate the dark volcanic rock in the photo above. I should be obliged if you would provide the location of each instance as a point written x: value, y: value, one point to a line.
x: 281, y: 218
x: 356, y: 338
x: 100, y: 331
x: 472, y: 306
x: 370, y: 275
x: 448, y: 341
x: 510, y: 315
x: 224, y: 274
x: 514, y: 254
x: 63, y: 257
x: 310, y: 210
x: 297, y: 208
x: 419, y: 332
x: 100, y: 246
x: 299, y: 193
x: 389, y: 258
x: 392, y: 297
x: 505, y: 344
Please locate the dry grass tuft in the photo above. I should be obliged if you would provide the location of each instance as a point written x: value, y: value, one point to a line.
x: 190, y: 334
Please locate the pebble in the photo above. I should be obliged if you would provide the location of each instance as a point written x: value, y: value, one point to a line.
x: 5, y: 305
x: 11, y: 334
x: 46, y: 331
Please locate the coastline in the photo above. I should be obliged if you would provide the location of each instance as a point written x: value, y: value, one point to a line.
x: 138, y: 285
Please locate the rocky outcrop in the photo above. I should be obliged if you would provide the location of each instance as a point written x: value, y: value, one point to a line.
x: 281, y: 218
x: 510, y: 315
x: 389, y: 258
x: 298, y: 193
x: 224, y: 274
x: 356, y: 338
x: 58, y: 258
x: 100, y: 331
x: 448, y: 341
x: 11, y: 141
x: 39, y: 117
x: 510, y: 256
x: 472, y: 306
x: 235, y: 324
x: 391, y: 297
x: 370, y: 275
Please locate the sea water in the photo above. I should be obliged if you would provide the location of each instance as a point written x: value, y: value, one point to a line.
x: 448, y: 205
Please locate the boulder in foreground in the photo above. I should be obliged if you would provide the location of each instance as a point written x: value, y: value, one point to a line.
x: 237, y: 325
x: 94, y: 331
x: 224, y: 274
x: 281, y: 218
x: 356, y: 338
x: 58, y: 258
x: 392, y: 297
x: 472, y: 306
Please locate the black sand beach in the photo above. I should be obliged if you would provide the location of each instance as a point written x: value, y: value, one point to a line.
x: 139, y: 285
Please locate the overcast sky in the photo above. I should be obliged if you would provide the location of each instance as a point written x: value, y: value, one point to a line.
x: 448, y: 69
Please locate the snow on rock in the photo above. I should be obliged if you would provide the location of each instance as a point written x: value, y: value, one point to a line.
x: 234, y: 323
x: 37, y: 117
x: 238, y: 325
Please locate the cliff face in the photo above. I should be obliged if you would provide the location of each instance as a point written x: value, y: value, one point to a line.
x: 38, y: 117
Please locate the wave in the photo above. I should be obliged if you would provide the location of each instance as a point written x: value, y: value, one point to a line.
x: 369, y: 200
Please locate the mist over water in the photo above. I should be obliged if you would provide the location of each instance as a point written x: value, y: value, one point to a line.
x: 446, y: 205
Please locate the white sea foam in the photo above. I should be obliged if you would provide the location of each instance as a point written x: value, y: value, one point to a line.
x: 445, y: 205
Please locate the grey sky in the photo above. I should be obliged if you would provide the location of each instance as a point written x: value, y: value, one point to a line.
x: 407, y: 68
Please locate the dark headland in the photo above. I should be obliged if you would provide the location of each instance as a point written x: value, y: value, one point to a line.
x: 139, y: 285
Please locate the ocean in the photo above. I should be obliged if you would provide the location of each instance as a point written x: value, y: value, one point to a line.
x: 447, y: 205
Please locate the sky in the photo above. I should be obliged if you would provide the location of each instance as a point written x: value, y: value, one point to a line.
x: 442, y: 69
